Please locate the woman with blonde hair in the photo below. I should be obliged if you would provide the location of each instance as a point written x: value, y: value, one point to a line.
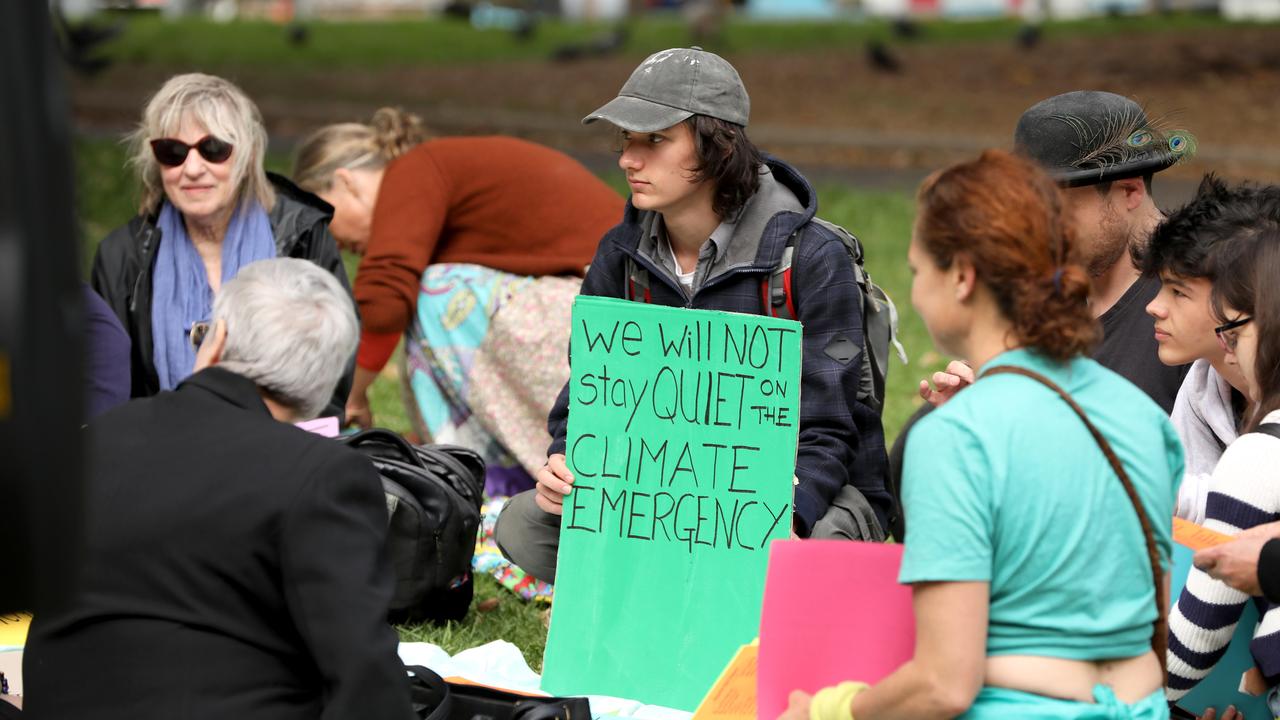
x: 1038, y: 499
x: 207, y: 209
x: 473, y: 249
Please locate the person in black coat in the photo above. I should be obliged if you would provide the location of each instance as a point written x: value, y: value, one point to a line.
x: 233, y: 564
x: 207, y: 208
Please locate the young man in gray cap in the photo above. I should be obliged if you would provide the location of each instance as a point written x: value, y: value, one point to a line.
x: 1103, y: 150
x: 707, y: 217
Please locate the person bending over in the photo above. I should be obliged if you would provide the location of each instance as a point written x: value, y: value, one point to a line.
x: 473, y: 249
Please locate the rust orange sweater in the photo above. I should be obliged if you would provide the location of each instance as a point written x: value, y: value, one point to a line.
x: 500, y: 202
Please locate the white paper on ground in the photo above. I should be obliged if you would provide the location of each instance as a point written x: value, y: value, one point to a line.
x: 501, y: 664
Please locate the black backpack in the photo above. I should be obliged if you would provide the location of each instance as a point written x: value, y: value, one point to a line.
x: 433, y: 494
x: 434, y: 698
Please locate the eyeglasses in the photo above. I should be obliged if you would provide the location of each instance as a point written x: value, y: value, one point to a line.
x: 197, y: 333
x: 172, y: 153
x: 1228, y: 339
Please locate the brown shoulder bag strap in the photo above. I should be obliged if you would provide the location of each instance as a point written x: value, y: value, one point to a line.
x: 1159, y: 638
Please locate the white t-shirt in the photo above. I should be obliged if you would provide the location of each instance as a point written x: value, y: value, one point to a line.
x: 685, y: 278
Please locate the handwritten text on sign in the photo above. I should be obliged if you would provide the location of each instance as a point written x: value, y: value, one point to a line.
x: 682, y: 441
x: 645, y: 384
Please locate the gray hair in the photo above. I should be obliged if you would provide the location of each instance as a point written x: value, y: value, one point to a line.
x: 355, y: 146
x: 225, y: 111
x: 291, y: 329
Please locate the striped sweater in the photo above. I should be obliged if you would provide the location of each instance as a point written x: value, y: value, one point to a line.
x: 1245, y: 492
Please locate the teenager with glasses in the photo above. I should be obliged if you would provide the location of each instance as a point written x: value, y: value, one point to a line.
x: 1211, y: 404
x: 1245, y: 488
x: 207, y: 209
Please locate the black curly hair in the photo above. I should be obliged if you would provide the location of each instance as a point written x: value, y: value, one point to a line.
x: 1183, y: 243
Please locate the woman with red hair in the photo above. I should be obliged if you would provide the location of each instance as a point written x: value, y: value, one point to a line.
x: 1038, y: 500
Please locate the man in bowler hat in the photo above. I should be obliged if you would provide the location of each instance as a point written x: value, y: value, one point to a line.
x: 1103, y: 150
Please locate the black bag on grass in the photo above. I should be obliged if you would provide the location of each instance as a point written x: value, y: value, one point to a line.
x: 433, y: 511
x: 435, y: 699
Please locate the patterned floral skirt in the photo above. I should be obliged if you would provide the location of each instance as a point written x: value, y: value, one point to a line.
x: 484, y: 360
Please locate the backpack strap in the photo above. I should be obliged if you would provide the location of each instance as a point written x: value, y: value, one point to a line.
x: 429, y: 694
x: 637, y: 282
x: 1159, y: 637
x: 572, y: 708
x: 1272, y: 429
x: 775, y: 290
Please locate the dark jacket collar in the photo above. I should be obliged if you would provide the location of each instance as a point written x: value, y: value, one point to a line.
x: 235, y: 389
x: 295, y: 212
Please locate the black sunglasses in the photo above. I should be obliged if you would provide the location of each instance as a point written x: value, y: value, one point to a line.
x: 172, y: 153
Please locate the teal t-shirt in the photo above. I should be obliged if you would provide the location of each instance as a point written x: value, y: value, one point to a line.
x: 1004, y: 484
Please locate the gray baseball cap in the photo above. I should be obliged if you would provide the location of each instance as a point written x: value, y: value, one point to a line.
x: 672, y: 85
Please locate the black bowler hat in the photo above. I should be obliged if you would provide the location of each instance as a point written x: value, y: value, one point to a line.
x: 1088, y: 137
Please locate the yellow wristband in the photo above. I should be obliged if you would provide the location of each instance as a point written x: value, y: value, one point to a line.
x: 834, y: 703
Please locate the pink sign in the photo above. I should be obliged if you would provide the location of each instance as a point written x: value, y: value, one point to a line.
x: 326, y: 426
x: 833, y: 611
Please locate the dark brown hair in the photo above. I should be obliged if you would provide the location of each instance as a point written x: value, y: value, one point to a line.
x: 1008, y: 217
x: 1245, y: 280
x: 727, y: 158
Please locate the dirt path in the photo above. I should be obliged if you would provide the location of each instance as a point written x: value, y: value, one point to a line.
x: 823, y: 108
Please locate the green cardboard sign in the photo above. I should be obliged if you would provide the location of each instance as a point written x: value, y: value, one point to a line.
x: 682, y: 440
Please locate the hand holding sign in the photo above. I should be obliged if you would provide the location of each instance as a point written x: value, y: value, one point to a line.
x: 553, y: 482
x: 798, y: 707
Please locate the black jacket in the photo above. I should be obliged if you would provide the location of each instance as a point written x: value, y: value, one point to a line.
x: 126, y: 259
x: 234, y: 566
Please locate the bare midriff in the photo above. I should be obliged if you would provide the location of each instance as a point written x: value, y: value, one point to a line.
x: 1131, y: 679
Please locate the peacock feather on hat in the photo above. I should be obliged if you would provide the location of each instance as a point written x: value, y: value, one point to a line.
x: 1126, y: 136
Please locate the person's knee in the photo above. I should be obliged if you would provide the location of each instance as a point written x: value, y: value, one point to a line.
x: 507, y: 529
x: 850, y: 517
x: 528, y: 536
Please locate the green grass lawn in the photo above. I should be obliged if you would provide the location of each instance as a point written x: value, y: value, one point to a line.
x: 107, y: 197
x: 199, y: 43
